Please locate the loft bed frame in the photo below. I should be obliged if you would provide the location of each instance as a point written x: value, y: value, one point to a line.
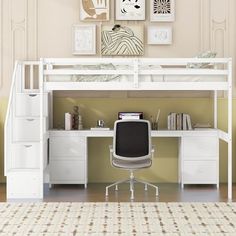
x: 135, y: 68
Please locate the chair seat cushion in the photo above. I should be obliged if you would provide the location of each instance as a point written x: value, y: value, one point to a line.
x: 131, y: 164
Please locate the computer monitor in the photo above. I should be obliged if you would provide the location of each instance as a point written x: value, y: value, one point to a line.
x: 130, y: 115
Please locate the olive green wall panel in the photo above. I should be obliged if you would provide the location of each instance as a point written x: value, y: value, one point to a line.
x: 165, y: 163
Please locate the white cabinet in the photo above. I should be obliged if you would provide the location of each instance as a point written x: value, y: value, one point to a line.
x: 68, y: 158
x: 67, y: 171
x: 24, y: 166
x: 200, y: 160
x: 24, y: 185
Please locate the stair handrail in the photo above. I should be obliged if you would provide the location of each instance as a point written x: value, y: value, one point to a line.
x: 13, y: 82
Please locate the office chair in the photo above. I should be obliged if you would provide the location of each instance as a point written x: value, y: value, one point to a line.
x: 132, y: 150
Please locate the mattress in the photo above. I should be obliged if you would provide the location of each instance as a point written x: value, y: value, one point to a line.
x: 194, y: 78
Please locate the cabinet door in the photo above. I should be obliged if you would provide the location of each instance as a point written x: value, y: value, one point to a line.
x: 69, y: 146
x: 25, y: 185
x: 200, y: 172
x: 197, y: 148
x: 67, y: 171
x: 29, y: 105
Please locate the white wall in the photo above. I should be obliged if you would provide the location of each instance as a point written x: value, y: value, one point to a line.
x: 30, y: 29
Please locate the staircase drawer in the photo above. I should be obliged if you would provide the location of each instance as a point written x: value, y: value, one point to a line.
x: 67, y: 171
x: 29, y: 105
x: 27, y: 130
x: 25, y: 156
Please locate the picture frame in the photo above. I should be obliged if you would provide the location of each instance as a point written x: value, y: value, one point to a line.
x: 94, y: 10
x: 84, y: 39
x: 122, y: 40
x: 130, y: 10
x: 161, y: 35
x: 162, y: 10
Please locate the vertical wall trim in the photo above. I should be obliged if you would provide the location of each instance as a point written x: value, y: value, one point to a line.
x: 201, y: 15
x: 36, y: 13
x: 26, y: 53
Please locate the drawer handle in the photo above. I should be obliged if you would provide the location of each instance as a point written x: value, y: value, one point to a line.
x: 30, y: 119
x: 28, y: 146
x: 32, y: 95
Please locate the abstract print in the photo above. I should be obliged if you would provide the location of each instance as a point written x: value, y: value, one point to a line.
x: 122, y: 40
x: 94, y: 10
x: 130, y: 9
x: 162, y: 6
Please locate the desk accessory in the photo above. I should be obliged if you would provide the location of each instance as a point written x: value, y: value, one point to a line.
x: 68, y: 121
x: 202, y: 125
x: 76, y: 119
x: 100, y: 128
x: 100, y: 123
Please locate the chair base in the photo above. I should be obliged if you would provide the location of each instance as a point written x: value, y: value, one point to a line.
x: 131, y: 180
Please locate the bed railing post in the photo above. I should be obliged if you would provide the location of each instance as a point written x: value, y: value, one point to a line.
x: 136, y: 67
x: 215, y: 110
x: 41, y: 91
x: 230, y: 129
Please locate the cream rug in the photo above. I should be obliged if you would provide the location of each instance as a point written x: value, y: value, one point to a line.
x: 129, y: 219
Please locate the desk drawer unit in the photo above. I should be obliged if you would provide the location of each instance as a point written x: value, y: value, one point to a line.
x: 68, y: 162
x: 200, y: 172
x: 61, y: 147
x: 200, y: 147
x: 67, y: 172
x: 200, y: 160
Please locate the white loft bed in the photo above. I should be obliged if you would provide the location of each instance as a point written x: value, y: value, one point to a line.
x: 127, y: 74
x: 134, y: 74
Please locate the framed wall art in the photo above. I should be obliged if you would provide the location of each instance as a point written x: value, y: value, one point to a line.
x: 84, y: 39
x: 122, y: 40
x: 159, y: 35
x: 162, y: 10
x: 130, y: 9
x: 94, y: 10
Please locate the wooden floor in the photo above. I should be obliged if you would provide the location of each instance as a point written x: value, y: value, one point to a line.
x: 167, y: 193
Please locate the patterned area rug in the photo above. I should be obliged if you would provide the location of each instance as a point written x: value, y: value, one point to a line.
x: 135, y: 219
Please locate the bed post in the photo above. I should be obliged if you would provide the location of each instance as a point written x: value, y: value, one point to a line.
x: 41, y: 126
x: 230, y: 129
x: 136, y: 69
x: 215, y: 110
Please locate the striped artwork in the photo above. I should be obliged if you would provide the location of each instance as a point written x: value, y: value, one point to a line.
x: 122, y: 40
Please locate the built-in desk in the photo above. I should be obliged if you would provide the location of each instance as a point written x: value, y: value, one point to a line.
x: 198, y: 155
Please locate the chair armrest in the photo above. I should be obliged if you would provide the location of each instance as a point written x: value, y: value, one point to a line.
x: 153, y: 150
x: 111, y: 148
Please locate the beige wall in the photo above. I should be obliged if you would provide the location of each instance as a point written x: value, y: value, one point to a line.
x: 30, y: 29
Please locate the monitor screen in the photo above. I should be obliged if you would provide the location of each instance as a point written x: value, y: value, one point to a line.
x: 130, y: 115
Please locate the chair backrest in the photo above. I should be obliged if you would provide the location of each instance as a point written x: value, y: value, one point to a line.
x: 132, y: 139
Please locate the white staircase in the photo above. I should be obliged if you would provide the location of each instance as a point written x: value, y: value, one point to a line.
x: 25, y: 150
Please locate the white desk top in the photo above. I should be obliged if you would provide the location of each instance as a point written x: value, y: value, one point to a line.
x: 154, y: 133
